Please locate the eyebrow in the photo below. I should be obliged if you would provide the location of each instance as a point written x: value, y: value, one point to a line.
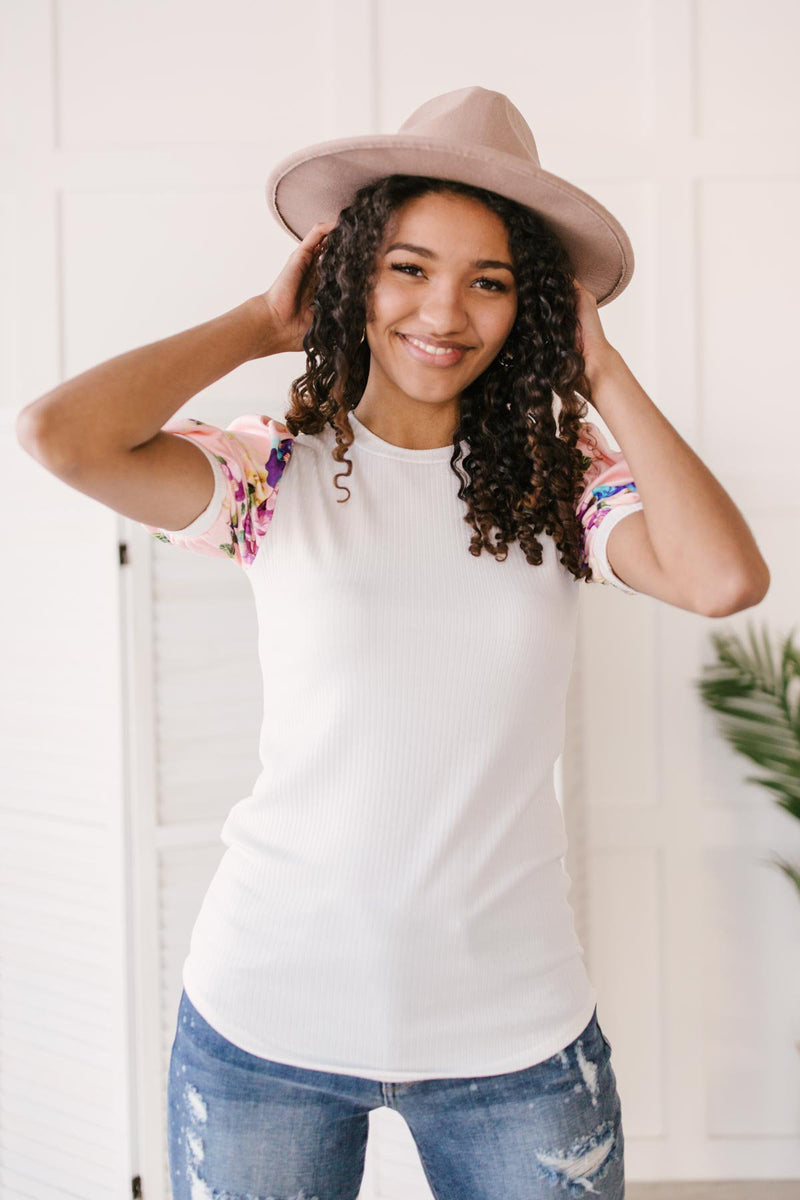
x: 480, y: 263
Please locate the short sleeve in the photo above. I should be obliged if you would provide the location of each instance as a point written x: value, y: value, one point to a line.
x: 609, y: 495
x: 248, y: 459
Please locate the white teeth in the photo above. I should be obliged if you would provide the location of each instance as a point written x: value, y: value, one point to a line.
x: 431, y: 349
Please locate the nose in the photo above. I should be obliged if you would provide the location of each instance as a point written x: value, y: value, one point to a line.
x: 443, y: 312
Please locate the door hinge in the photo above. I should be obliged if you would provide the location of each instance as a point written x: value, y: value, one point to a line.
x: 136, y: 1187
x: 123, y: 553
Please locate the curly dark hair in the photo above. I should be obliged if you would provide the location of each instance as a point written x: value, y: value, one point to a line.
x: 522, y: 473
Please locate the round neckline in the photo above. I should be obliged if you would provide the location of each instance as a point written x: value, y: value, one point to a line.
x: 366, y: 440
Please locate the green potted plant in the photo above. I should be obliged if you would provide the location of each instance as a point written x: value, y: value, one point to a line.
x: 757, y: 696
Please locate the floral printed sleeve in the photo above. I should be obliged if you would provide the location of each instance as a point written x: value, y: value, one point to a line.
x: 248, y: 459
x: 609, y: 495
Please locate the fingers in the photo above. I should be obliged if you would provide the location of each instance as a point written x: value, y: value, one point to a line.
x: 313, y: 244
x: 316, y: 233
x: 309, y: 250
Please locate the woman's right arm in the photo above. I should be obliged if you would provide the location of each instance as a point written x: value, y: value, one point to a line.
x: 101, y: 432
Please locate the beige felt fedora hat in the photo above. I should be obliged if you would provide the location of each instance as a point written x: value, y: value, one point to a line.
x: 473, y: 135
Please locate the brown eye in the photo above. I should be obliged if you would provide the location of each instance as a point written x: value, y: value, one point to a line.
x: 496, y: 286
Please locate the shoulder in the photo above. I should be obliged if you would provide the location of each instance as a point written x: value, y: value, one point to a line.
x: 600, y: 458
x: 264, y: 441
x: 261, y: 426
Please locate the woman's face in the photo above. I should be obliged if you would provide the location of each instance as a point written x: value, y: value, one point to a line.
x: 450, y: 281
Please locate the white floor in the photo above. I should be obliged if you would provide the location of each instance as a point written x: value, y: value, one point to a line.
x: 785, y: 1189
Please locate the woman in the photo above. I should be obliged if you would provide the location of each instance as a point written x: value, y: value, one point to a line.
x: 389, y: 924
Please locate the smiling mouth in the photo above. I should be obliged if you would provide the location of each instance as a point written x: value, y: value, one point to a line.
x: 434, y: 356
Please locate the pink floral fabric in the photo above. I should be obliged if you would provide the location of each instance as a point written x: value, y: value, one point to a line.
x: 248, y: 458
x: 609, y: 495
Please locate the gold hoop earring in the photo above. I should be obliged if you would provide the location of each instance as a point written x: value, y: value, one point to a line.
x: 363, y: 335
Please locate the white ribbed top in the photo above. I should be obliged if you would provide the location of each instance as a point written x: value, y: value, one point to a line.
x: 392, y: 902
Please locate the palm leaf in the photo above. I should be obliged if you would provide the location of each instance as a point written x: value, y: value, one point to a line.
x: 758, y: 701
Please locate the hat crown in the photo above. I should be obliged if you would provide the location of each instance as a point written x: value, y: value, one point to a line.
x: 474, y: 135
x: 476, y: 117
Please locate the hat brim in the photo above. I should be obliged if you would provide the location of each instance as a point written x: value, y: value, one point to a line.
x: 317, y: 182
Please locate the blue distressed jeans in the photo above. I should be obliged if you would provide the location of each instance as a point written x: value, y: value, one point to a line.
x: 241, y: 1127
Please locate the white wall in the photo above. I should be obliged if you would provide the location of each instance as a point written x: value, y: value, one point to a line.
x: 135, y: 140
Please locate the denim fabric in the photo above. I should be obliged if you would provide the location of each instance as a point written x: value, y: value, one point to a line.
x: 242, y: 1127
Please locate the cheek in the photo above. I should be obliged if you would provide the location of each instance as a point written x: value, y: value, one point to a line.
x: 506, y: 321
x: 388, y: 300
x: 497, y: 326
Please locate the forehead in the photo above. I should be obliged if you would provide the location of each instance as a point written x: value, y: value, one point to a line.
x: 449, y: 221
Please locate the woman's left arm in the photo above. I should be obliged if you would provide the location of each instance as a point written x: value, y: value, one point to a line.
x: 697, y: 534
